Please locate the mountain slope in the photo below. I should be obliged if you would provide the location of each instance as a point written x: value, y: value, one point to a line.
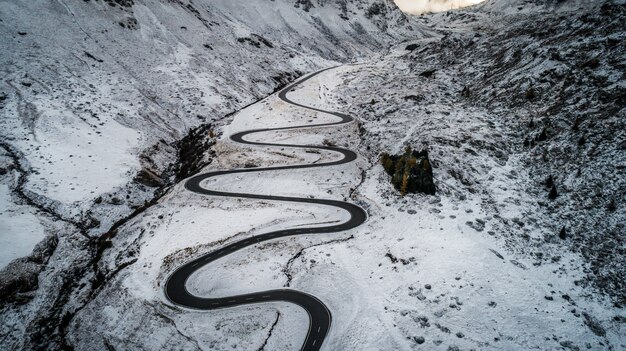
x: 519, y: 104
x: 106, y: 104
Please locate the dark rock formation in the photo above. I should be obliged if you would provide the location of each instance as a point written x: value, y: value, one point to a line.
x: 410, y: 172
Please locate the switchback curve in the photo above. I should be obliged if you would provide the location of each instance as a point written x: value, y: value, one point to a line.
x: 319, y: 315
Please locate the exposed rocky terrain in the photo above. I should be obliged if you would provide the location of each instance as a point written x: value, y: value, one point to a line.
x: 556, y: 81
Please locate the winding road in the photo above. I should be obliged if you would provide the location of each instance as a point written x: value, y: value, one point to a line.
x: 319, y: 315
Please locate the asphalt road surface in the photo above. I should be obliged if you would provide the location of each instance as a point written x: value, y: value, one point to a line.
x: 319, y: 315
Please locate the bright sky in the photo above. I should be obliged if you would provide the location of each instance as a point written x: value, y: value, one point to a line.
x: 422, y: 6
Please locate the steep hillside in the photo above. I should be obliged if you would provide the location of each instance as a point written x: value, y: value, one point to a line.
x: 105, y: 104
x: 522, y: 111
x: 555, y: 77
x: 89, y: 87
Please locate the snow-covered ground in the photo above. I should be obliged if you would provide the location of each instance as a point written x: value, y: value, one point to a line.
x: 105, y: 104
x: 184, y: 224
x: 20, y: 229
x: 418, y: 7
x: 423, y: 268
x: 93, y: 92
x: 479, y: 265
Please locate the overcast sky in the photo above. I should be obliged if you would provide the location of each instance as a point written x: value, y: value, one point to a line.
x: 421, y: 6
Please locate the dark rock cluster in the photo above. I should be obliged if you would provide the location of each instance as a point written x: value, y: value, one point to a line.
x: 410, y: 172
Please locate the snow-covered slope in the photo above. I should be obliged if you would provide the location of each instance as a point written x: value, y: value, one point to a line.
x: 88, y: 86
x: 440, y: 272
x: 417, y: 7
x: 557, y: 80
x: 512, y: 7
x: 98, y: 98
x: 504, y: 94
x: 512, y: 105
